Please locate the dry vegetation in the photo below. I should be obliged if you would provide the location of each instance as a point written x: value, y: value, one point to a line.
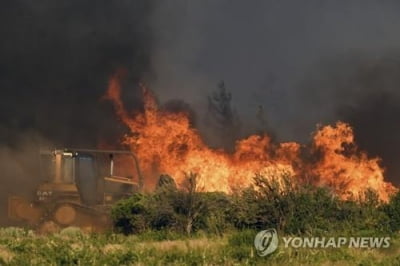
x: 72, y: 247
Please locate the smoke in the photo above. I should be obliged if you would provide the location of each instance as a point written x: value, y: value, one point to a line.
x: 363, y: 90
x: 179, y: 106
x: 304, y: 63
x: 20, y: 169
x: 56, y: 58
x: 376, y: 120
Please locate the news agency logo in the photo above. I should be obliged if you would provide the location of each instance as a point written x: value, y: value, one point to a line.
x: 266, y: 242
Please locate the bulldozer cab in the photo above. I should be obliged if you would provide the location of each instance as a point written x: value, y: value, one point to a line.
x: 88, y: 176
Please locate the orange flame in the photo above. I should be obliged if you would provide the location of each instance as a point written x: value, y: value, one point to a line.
x: 166, y: 143
x: 348, y: 172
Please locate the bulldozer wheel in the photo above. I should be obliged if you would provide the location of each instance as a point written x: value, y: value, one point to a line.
x: 65, y: 214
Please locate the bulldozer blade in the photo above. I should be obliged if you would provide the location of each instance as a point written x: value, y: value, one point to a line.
x: 21, y: 210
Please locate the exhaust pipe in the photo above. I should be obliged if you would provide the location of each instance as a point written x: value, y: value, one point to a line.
x: 58, y: 174
x: 111, y: 165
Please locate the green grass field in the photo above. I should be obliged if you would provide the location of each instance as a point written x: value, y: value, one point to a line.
x: 72, y: 247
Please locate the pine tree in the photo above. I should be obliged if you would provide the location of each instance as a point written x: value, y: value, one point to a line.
x: 222, y: 117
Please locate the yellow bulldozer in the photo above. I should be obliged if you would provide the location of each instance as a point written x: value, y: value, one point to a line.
x: 79, y: 186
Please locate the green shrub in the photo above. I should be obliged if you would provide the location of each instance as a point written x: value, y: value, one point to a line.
x: 130, y: 215
x: 392, y: 210
x: 290, y: 207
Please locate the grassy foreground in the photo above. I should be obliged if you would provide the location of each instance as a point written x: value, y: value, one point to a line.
x: 72, y: 247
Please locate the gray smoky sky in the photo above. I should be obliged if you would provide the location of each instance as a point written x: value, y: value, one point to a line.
x: 270, y: 53
x: 305, y: 62
x: 55, y: 61
x: 56, y: 58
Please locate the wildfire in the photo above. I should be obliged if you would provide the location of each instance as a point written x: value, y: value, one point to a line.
x: 165, y: 142
x: 347, y: 171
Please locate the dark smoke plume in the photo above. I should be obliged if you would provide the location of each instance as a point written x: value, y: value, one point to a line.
x: 55, y: 61
x: 300, y: 62
x: 364, y: 91
x: 56, y: 58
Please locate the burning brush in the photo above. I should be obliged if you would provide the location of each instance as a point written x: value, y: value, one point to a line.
x: 165, y: 142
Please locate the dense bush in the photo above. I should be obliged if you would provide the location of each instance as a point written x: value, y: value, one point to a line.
x: 392, y: 210
x: 290, y: 207
x: 184, y: 210
x: 301, y: 209
x: 131, y: 215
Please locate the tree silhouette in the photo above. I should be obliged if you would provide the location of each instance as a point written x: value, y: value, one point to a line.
x: 222, y: 117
